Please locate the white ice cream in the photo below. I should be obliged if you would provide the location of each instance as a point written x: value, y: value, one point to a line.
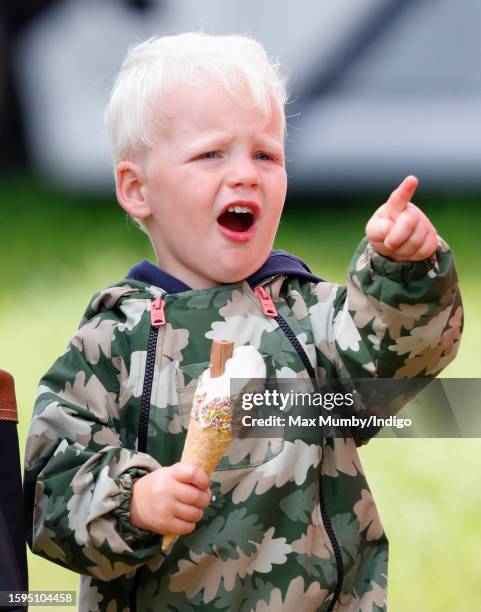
x: 246, y: 363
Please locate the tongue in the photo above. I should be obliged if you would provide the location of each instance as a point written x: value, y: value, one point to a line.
x: 233, y: 221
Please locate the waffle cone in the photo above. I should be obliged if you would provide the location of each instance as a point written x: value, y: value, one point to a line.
x: 204, y: 446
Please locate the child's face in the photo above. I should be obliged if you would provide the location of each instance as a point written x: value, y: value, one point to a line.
x: 216, y: 155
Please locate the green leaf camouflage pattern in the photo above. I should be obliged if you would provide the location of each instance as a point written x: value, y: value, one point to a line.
x: 262, y: 544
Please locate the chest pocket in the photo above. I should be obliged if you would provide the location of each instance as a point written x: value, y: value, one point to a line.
x: 243, y: 452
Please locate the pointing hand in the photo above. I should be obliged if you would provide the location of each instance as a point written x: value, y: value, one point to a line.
x: 399, y: 229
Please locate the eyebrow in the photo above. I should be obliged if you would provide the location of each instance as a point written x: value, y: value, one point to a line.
x: 219, y: 139
x: 206, y: 142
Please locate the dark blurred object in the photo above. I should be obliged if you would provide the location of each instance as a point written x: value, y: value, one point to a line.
x: 14, y: 16
x: 141, y: 5
x: 13, y: 560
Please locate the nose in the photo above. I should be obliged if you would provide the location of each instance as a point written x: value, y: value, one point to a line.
x: 243, y: 173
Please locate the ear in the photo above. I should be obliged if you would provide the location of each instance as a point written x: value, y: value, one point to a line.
x: 130, y: 190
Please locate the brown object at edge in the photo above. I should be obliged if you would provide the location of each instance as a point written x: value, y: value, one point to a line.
x: 8, y: 403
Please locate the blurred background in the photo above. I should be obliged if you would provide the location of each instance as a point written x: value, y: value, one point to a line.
x: 378, y: 89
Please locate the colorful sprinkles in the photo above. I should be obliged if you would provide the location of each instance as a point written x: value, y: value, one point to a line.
x: 217, y: 413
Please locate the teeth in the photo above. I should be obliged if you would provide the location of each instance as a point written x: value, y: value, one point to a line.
x: 239, y: 209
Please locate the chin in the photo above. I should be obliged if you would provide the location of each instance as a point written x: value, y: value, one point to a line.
x: 230, y: 277
x: 236, y: 266
x: 236, y: 275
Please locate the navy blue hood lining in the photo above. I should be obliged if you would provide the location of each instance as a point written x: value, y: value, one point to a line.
x: 278, y: 262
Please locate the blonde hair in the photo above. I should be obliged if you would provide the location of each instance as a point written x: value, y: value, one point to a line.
x: 136, y: 109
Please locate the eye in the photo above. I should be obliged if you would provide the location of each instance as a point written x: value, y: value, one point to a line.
x: 263, y: 156
x: 209, y: 155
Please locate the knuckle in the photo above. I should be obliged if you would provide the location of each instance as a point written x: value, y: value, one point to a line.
x: 370, y: 224
x: 205, y: 475
x: 417, y: 242
x: 176, y: 468
x: 191, y: 471
x: 423, y: 252
x: 197, y: 497
x: 202, y: 503
x: 392, y: 241
x: 409, y: 221
x: 191, y: 514
x: 189, y: 495
x: 187, y: 527
x: 413, y: 222
x: 189, y: 467
x: 187, y: 470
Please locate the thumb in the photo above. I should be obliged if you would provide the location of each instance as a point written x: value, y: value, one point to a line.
x: 401, y: 196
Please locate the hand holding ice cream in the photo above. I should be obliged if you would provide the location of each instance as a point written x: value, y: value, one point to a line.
x: 170, y: 499
x: 210, y: 429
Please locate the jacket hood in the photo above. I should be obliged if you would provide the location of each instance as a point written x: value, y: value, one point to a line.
x: 146, y: 281
x: 279, y: 262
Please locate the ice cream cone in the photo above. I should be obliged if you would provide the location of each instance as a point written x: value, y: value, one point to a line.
x: 209, y: 434
x: 205, y: 446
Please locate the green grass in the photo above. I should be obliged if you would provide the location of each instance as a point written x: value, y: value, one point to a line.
x: 57, y: 251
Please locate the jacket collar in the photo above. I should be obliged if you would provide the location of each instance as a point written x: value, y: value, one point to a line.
x: 278, y: 263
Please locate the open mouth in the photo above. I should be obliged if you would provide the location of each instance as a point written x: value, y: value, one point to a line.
x: 237, y: 219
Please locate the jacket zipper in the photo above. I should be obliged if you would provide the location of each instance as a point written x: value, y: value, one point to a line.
x: 270, y: 310
x: 157, y: 318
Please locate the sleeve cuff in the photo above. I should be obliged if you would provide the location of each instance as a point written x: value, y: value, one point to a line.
x: 131, y: 534
x: 404, y: 271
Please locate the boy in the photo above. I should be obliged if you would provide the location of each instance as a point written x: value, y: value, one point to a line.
x: 197, y: 128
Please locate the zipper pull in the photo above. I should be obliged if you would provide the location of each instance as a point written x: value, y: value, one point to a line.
x: 266, y: 302
x: 157, y: 314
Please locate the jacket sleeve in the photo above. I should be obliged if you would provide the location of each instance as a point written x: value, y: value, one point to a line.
x: 393, y: 320
x: 78, y: 474
x: 397, y: 319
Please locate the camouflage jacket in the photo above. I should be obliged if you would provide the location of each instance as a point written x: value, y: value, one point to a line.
x: 292, y: 525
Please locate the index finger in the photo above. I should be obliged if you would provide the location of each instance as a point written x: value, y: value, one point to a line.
x: 401, y: 196
x: 192, y: 496
x: 191, y: 474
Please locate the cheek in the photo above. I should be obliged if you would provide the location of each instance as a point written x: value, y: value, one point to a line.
x: 283, y: 185
x: 278, y: 191
x: 278, y: 180
x: 197, y: 192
